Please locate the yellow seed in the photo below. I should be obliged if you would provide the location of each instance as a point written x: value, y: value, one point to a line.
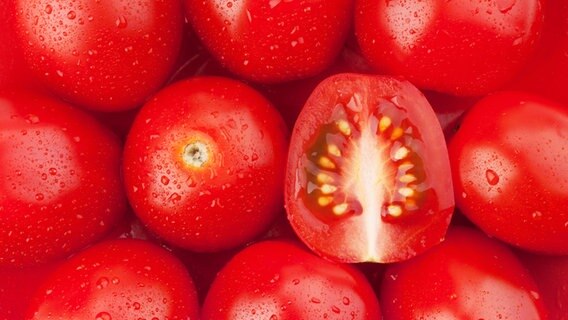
x: 324, y: 201
x: 324, y: 178
x: 327, y: 189
x: 344, y: 127
x: 334, y: 150
x: 407, y: 178
x: 326, y: 163
x: 406, y: 166
x: 384, y: 123
x: 401, y: 153
x: 397, y: 133
x: 340, y: 209
x: 406, y: 192
x: 394, y: 210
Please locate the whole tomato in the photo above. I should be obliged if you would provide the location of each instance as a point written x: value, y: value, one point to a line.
x: 509, y: 168
x: 466, y: 277
x: 280, y: 280
x: 368, y: 177
x: 106, y: 55
x: 61, y: 187
x: 272, y: 41
x: 121, y: 279
x: 463, y: 47
x: 204, y: 163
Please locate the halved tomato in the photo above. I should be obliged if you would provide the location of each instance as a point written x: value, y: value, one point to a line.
x: 368, y: 176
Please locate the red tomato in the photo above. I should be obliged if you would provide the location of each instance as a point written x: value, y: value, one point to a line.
x: 204, y: 163
x: 546, y: 73
x: 106, y: 55
x: 17, y: 286
x: 467, y: 277
x: 463, y: 47
x: 279, y: 280
x: 551, y: 275
x: 61, y: 186
x: 368, y: 175
x: 509, y: 167
x: 123, y: 279
x: 272, y: 41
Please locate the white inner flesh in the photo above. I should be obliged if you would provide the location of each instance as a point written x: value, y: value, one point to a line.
x: 368, y: 159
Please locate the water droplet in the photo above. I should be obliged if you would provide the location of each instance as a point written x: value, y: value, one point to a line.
x: 254, y: 157
x: 48, y: 9
x: 229, y: 4
x: 103, y: 316
x: 71, y: 15
x: 346, y: 301
x: 492, y: 177
x: 102, y: 283
x: 165, y: 180
x: 505, y: 5
x: 537, y: 215
x: 115, y: 281
x: 296, y: 282
x: 315, y: 300
x: 174, y: 197
x: 335, y: 309
x: 52, y: 171
x: 121, y: 22
x: 136, y: 306
x: 39, y: 196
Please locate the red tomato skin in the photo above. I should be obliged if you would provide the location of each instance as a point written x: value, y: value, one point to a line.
x: 509, y: 169
x: 546, y: 72
x: 121, y: 279
x: 551, y: 275
x: 237, y: 194
x: 107, y: 55
x: 280, y: 280
x: 396, y: 241
x: 61, y: 185
x: 18, y: 285
x: 272, y: 41
x: 461, y: 47
x: 468, y: 276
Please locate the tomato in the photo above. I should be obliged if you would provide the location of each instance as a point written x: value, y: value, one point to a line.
x: 463, y: 47
x: 509, y: 169
x: 368, y: 177
x: 60, y: 188
x: 551, y: 275
x: 106, y: 55
x: 280, y: 280
x: 272, y: 41
x: 204, y: 164
x: 468, y: 277
x: 122, y: 279
x: 546, y: 72
x: 18, y: 286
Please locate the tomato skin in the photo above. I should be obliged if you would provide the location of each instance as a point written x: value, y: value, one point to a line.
x: 240, y: 183
x: 391, y: 241
x: 280, y: 280
x: 272, y: 41
x: 545, y: 74
x: 106, y: 55
x: 61, y: 186
x: 508, y: 163
x: 551, y: 275
x: 468, y: 276
x: 461, y: 47
x: 122, y: 279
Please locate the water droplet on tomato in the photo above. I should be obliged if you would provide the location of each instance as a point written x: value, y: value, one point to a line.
x: 102, y: 283
x: 537, y: 215
x: 346, y: 301
x: 48, y: 9
x: 71, y: 15
x: 165, y: 180
x: 505, y: 5
x: 103, y: 316
x: 492, y: 177
x: 121, y: 22
x: 39, y: 196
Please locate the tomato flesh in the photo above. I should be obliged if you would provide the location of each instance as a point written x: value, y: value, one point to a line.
x: 368, y: 173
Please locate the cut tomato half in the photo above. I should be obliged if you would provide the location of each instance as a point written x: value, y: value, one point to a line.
x: 368, y: 176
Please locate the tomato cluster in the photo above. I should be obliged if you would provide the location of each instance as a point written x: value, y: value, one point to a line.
x: 283, y: 159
